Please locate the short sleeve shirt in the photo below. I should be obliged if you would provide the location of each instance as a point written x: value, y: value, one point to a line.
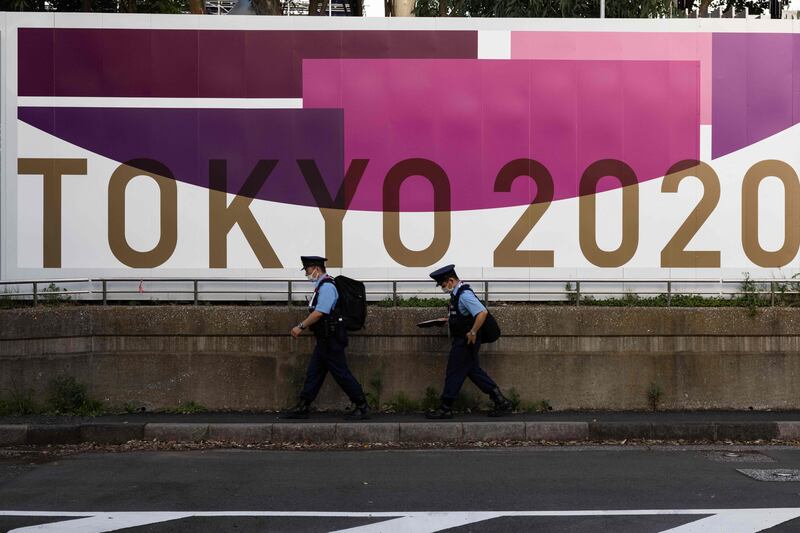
x: 468, y: 303
x: 327, y: 295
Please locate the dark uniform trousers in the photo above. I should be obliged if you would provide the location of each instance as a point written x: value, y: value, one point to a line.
x: 329, y: 356
x: 463, y: 363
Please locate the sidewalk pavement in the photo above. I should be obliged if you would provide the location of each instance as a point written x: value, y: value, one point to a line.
x: 329, y: 428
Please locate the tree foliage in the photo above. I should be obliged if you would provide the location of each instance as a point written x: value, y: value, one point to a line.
x: 98, y: 6
x: 577, y: 8
x: 268, y: 7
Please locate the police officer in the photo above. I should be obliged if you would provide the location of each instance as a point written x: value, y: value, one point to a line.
x: 466, y: 315
x: 331, y: 335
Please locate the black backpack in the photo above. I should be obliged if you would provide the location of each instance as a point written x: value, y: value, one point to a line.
x: 490, y: 331
x: 352, y: 302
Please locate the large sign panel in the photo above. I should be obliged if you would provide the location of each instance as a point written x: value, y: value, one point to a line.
x: 228, y: 146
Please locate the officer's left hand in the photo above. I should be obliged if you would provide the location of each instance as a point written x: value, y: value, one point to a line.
x: 471, y: 337
x: 296, y: 332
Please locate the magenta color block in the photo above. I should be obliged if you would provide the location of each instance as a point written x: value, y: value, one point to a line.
x: 473, y: 116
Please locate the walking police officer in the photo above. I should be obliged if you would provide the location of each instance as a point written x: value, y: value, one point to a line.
x: 466, y: 315
x: 328, y: 327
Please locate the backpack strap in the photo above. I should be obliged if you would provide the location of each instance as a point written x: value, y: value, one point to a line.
x: 456, y: 297
x: 323, y: 281
x: 326, y: 279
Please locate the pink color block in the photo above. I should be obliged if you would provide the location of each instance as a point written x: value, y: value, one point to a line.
x: 669, y: 46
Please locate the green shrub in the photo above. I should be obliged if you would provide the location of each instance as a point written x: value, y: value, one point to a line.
x: 66, y: 396
x: 53, y: 294
x: 414, y: 301
x: 654, y: 394
x: 540, y: 406
x: 401, y: 403
x: 431, y: 400
x: 513, y: 397
x: 188, y: 408
x: 18, y: 403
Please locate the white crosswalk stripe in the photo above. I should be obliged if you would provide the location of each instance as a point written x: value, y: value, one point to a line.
x: 711, y: 521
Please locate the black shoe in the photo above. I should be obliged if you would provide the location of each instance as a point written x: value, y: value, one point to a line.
x: 502, y: 406
x: 500, y: 410
x: 359, y: 412
x: 442, y: 413
x: 298, y: 412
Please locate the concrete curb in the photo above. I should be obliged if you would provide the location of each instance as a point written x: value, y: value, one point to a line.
x: 556, y: 431
x: 243, y: 433
x: 368, y: 433
x: 788, y: 430
x: 394, y: 432
x: 488, y: 431
x: 176, y: 432
x: 111, y: 433
x: 13, y: 435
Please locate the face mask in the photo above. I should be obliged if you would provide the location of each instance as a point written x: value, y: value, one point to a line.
x: 446, y: 290
x: 312, y: 277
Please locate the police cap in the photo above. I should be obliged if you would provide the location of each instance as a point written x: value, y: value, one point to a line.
x: 312, y: 260
x: 441, y: 274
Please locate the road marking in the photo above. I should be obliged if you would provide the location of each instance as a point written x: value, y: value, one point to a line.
x: 738, y: 521
x: 422, y: 523
x: 101, y: 522
x: 721, y: 520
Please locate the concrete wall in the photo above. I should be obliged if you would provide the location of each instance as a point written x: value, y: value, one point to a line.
x: 242, y: 358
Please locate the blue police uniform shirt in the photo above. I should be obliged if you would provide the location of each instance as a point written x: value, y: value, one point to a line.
x: 468, y: 303
x: 326, y: 295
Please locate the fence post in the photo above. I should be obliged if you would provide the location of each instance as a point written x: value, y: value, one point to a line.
x: 772, y: 294
x: 669, y: 293
x: 394, y: 293
x: 194, y: 291
x: 289, y: 300
x: 577, y: 293
x: 486, y: 292
x: 105, y: 292
x: 35, y: 294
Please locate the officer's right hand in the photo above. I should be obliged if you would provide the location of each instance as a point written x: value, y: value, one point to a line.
x: 296, y: 332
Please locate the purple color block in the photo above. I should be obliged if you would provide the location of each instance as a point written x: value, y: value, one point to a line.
x: 769, y: 85
x: 127, y: 60
x: 268, y: 61
x: 84, y: 53
x: 225, y: 51
x: 795, y: 81
x: 472, y: 117
x: 36, y: 64
x: 175, y: 64
x: 754, y: 88
x: 205, y: 63
x: 186, y: 139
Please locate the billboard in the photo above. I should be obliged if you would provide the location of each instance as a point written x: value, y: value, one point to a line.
x: 191, y: 146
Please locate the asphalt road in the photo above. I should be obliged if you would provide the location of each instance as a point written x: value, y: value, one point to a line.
x: 574, y: 489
